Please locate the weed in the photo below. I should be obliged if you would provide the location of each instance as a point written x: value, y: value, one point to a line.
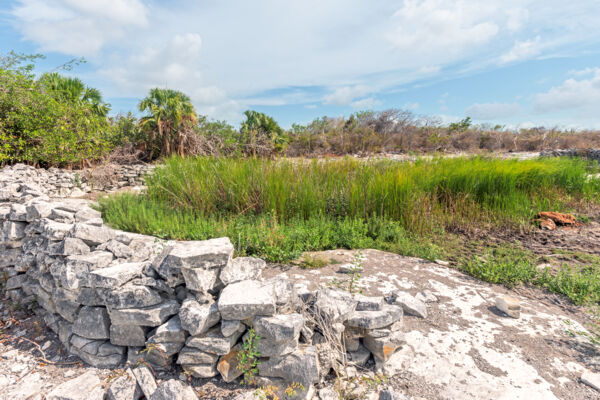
x: 314, y: 262
x: 248, y: 358
x: 350, y: 283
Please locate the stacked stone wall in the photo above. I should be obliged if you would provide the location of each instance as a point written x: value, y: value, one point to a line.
x: 115, y: 297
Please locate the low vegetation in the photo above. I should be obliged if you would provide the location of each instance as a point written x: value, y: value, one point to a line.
x: 278, y: 209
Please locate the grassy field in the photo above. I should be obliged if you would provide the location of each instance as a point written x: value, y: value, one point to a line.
x: 277, y: 209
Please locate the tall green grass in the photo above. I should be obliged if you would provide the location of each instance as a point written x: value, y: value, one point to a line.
x: 420, y: 195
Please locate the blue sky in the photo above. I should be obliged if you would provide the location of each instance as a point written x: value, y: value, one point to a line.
x: 518, y: 63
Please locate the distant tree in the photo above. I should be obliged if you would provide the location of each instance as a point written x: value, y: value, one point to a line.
x: 259, y: 132
x: 74, y: 91
x: 170, y: 118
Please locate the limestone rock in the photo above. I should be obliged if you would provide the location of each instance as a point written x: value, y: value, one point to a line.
x: 375, y: 319
x: 92, y: 323
x: 245, y: 299
x: 228, y: 365
x: 301, y: 366
x: 131, y: 296
x: 214, y: 342
x: 123, y: 387
x: 383, y: 347
x: 242, y: 268
x: 335, y: 304
x: 509, y: 306
x: 127, y: 335
x: 591, y: 379
x: 73, y: 247
x: 169, y: 332
x: 85, y: 387
x: 197, y: 318
x: 148, y: 316
x: 410, y: 305
x: 202, y: 370
x: 200, y: 279
x: 118, y: 275
x: 173, y: 390
x: 366, y: 303
x: 145, y: 380
x: 192, y: 355
x: 228, y: 328
x: 206, y: 254
x: 90, y: 234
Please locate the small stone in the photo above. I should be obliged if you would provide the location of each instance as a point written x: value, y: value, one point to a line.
x: 131, y: 296
x: 206, y: 254
x: 245, y: 299
x: 279, y: 328
x: 242, y: 268
x: 301, y: 366
x: 410, y: 305
x: 173, y: 390
x: 214, y: 341
x: 426, y: 297
x: 127, y: 335
x: 228, y: 328
x: 366, y: 303
x: 335, y: 304
x: 198, y: 318
x: 92, y: 323
x: 90, y: 234
x: 148, y: 316
x: 375, y: 319
x: 118, y: 275
x: 145, y: 380
x: 192, y: 355
x: 591, y: 379
x: 202, y: 370
x: 85, y: 387
x: 170, y: 331
x: 509, y: 306
x: 200, y: 279
x: 123, y: 388
x: 442, y: 262
x: 383, y: 347
x: 228, y: 365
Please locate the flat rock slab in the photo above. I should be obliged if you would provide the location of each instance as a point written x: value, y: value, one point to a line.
x: 245, y: 299
x: 85, y: 387
x: 467, y: 348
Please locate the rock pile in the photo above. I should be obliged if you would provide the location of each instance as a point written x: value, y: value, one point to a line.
x: 114, y: 297
x: 56, y: 182
x: 592, y: 154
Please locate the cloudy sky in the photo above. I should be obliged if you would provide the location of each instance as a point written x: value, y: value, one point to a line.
x: 513, y: 62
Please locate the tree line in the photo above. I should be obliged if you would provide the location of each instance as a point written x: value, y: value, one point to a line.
x: 56, y: 120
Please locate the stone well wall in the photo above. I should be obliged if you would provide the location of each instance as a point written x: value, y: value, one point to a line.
x: 592, y: 154
x: 114, y: 297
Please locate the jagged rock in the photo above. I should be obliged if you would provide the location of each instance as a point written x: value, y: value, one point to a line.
x: 85, y: 387
x: 202, y: 370
x: 53, y: 230
x: 242, y: 268
x: 334, y: 304
x: 170, y: 331
x: 198, y: 318
x: 214, y: 342
x: 13, y: 230
x: 117, y: 248
x: 228, y: 328
x: 38, y: 210
x: 68, y: 309
x: 15, y: 282
x: 245, y: 299
x: 63, y: 216
x: 161, y: 354
x: 74, y: 247
x: 192, y: 355
x: 278, y: 334
x: 128, y: 335
x: 366, y: 303
x: 87, y: 214
x: 118, y: 275
x: 206, y: 254
x: 200, y: 279
x: 383, y: 347
x: 301, y: 366
x: 131, y: 296
x: 148, y: 316
x: 509, y: 306
x: 409, y: 304
x: 173, y: 390
x: 228, y: 365
x: 76, y: 272
x: 145, y: 380
x: 374, y: 319
x: 283, y: 291
x: 426, y: 297
x: 90, y: 234
x: 123, y: 387
x: 360, y: 356
x: 92, y: 323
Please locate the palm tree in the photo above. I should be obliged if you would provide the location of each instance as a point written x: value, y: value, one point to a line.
x: 74, y: 91
x: 258, y: 124
x: 169, y: 111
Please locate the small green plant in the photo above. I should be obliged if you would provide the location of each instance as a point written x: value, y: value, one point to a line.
x: 593, y: 332
x: 248, y: 358
x: 314, y: 262
x: 77, y: 180
x: 350, y: 283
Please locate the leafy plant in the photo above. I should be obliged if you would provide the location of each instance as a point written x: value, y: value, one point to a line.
x: 248, y: 358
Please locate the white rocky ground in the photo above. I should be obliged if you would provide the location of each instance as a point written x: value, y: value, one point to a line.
x: 463, y: 348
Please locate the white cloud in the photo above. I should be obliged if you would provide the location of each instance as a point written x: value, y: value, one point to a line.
x: 490, y: 111
x: 345, y: 95
x: 522, y: 50
x: 579, y: 96
x: 367, y: 103
x: 77, y: 27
